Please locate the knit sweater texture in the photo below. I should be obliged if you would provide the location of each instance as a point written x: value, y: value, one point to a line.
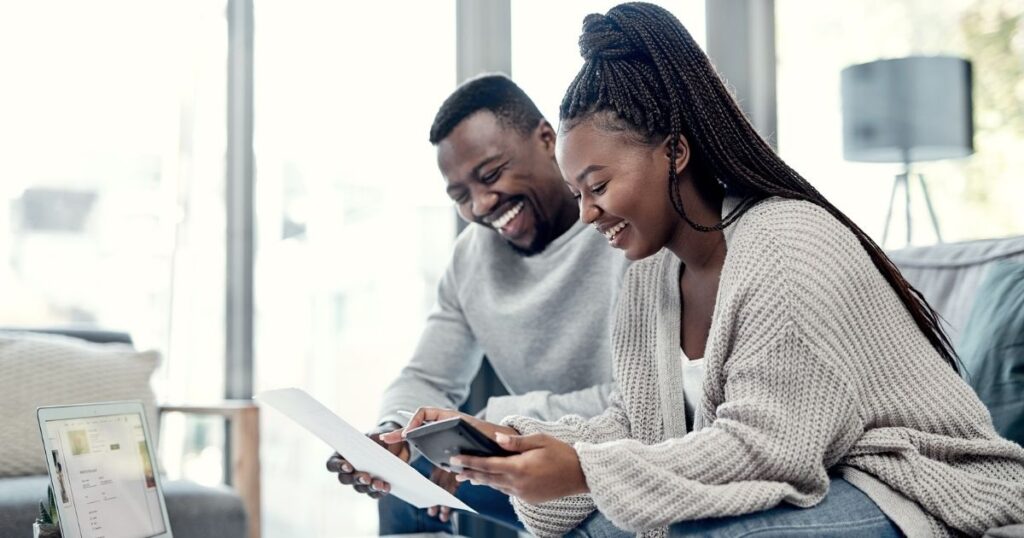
x: 813, y: 364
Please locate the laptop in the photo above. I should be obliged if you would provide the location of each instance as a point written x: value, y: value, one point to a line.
x: 101, y: 463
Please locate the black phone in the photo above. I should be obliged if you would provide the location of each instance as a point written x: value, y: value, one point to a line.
x: 439, y: 441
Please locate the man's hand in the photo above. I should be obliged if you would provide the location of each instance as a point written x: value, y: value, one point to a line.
x: 363, y: 482
x: 441, y: 477
x: 433, y: 414
x: 447, y: 482
x: 545, y: 469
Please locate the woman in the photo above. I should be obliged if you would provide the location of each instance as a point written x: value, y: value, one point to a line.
x: 826, y: 382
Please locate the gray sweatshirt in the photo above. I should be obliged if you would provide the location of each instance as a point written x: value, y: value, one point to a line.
x: 543, y: 321
x: 813, y: 364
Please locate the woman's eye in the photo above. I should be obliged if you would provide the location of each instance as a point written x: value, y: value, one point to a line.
x: 599, y: 188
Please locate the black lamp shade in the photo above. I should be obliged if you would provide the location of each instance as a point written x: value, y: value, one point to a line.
x: 907, y: 110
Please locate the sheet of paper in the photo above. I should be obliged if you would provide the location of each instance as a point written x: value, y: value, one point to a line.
x: 406, y: 483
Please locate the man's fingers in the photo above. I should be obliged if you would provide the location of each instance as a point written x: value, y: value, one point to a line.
x: 392, y: 437
x: 441, y: 512
x: 362, y: 478
x: 428, y: 414
x: 337, y: 464
x: 381, y: 485
x: 346, y: 478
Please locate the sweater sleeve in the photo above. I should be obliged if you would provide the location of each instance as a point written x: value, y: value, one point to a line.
x: 557, y: 517
x: 547, y: 405
x: 785, y: 418
x: 444, y: 363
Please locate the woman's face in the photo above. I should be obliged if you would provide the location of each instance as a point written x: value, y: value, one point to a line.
x: 622, y: 187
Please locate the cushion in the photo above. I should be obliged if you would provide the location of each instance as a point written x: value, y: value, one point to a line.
x: 40, y: 369
x: 992, y: 347
x: 948, y: 274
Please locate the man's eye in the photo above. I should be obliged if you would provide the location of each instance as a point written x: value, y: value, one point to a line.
x: 493, y: 176
x: 577, y: 196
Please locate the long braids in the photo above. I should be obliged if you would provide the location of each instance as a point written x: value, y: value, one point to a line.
x: 642, y: 65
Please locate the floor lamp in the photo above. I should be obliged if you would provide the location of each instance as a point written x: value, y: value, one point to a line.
x: 908, y: 110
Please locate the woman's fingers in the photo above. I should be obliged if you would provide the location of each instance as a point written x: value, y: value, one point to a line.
x: 487, y: 479
x: 487, y: 465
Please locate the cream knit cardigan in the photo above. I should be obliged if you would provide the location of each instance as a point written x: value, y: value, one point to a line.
x: 813, y: 364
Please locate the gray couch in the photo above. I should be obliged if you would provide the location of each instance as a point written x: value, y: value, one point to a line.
x: 195, y: 511
x: 948, y: 275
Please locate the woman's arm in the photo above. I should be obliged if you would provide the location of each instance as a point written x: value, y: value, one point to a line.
x: 787, y: 417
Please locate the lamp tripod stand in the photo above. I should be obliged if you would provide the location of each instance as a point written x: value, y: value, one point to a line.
x: 904, y: 179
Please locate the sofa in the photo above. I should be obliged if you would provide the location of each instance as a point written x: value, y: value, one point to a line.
x: 195, y: 511
x: 986, y: 332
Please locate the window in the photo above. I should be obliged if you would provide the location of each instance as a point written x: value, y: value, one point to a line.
x: 545, y: 43
x: 973, y: 197
x: 111, y: 185
x: 353, y: 226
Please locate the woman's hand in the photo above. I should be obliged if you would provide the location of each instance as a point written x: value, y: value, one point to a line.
x: 545, y: 469
x: 434, y: 414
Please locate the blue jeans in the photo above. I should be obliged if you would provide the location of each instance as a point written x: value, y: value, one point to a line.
x: 398, y: 517
x: 845, y: 512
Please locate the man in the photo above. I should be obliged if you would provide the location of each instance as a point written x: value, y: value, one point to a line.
x: 529, y: 286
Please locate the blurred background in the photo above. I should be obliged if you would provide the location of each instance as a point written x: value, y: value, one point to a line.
x: 117, y: 134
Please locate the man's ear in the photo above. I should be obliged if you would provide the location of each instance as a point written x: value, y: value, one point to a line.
x: 682, y: 152
x: 546, y: 135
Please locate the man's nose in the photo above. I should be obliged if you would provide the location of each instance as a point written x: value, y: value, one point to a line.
x: 483, y: 203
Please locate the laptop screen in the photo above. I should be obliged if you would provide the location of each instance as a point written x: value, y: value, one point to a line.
x: 104, y: 477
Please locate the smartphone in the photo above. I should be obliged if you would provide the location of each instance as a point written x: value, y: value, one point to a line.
x: 439, y: 441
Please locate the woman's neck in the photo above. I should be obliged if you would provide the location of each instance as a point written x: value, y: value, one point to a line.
x: 699, y: 251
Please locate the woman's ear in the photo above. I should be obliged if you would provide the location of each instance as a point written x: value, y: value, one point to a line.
x: 682, y: 152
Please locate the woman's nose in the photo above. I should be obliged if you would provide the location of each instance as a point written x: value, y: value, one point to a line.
x: 589, y: 212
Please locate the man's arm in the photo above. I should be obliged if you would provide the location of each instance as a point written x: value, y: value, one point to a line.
x: 548, y: 406
x: 446, y: 359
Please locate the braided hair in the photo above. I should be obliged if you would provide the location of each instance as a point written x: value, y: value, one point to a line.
x: 644, y: 74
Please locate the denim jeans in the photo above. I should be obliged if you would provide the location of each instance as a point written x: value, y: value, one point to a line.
x: 398, y: 517
x: 845, y: 512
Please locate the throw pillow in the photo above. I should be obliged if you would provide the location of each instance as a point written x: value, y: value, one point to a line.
x: 37, y: 370
x: 992, y: 347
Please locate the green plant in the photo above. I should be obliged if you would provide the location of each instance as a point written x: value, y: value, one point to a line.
x: 48, y: 509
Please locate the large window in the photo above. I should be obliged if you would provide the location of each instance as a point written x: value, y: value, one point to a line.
x: 111, y: 181
x: 974, y: 197
x: 545, y: 43
x: 354, y: 228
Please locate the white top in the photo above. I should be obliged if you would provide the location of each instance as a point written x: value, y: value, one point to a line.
x: 693, y: 389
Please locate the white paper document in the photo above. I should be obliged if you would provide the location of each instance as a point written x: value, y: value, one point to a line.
x: 365, y: 455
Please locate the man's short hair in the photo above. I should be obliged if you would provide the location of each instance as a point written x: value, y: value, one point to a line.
x: 495, y: 93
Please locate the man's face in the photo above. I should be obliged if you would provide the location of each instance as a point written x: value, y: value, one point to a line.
x: 507, y: 181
